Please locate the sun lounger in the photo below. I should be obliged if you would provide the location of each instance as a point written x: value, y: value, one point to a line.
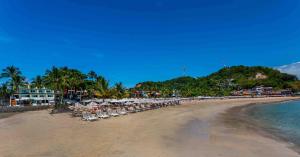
x: 143, y: 107
x: 131, y: 109
x: 77, y: 113
x: 101, y: 114
x: 122, y: 111
x: 88, y: 116
x: 138, y: 108
x: 148, y: 106
x: 92, y: 117
x: 113, y: 113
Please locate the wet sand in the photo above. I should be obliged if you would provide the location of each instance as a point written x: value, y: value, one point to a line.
x: 239, y: 118
x: 192, y: 129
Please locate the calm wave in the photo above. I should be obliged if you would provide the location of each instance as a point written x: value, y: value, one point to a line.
x: 281, y: 118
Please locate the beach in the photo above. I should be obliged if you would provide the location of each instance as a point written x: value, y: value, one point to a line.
x: 194, y: 129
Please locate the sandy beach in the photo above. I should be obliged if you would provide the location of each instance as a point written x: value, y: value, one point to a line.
x: 194, y: 129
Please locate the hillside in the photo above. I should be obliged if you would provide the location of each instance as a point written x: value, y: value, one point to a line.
x: 223, y: 82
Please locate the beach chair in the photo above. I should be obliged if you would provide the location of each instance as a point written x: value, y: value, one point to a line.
x: 77, y: 113
x: 101, y: 114
x: 148, y: 106
x: 87, y: 116
x: 91, y: 117
x: 130, y: 109
x: 138, y: 108
x: 122, y: 111
x: 143, y: 107
x: 113, y: 113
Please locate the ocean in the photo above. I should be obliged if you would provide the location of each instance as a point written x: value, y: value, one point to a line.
x: 280, y: 119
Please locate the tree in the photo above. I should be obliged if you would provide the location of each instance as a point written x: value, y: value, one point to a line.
x: 18, y: 81
x: 38, y: 81
x: 119, y: 91
x: 56, y: 80
x: 295, y: 86
x: 92, y: 75
x: 223, y: 82
x: 102, y: 87
x: 15, y: 77
x: 4, y: 93
x: 75, y: 79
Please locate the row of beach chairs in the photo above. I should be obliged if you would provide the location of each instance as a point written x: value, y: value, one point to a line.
x: 118, y: 109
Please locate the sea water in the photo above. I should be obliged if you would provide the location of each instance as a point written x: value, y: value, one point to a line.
x: 282, y: 119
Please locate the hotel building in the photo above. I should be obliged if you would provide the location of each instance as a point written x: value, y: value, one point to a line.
x: 27, y: 95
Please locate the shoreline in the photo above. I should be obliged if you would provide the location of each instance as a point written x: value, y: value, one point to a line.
x: 231, y: 121
x: 191, y: 129
x: 237, y: 117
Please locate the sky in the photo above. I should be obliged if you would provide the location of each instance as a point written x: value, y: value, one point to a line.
x: 133, y: 41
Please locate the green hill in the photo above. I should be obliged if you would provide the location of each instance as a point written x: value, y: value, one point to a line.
x: 223, y: 82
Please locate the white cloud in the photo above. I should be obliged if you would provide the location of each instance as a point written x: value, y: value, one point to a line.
x: 293, y: 68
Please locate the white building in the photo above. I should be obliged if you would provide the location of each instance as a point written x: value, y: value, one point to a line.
x: 34, y: 96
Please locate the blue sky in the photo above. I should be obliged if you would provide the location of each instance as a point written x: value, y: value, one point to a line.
x: 133, y: 40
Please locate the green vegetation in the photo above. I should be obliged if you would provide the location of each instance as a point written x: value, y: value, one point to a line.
x: 61, y: 80
x: 220, y: 83
x: 14, y: 78
x: 224, y: 82
x: 295, y: 86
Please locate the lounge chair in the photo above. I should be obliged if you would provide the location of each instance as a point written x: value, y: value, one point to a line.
x: 77, y: 113
x: 101, y: 114
x: 122, y: 111
x: 113, y: 113
x: 131, y: 109
x: 88, y: 116
x: 148, y: 106
x: 92, y: 117
x: 85, y: 116
x: 138, y: 108
x: 143, y: 107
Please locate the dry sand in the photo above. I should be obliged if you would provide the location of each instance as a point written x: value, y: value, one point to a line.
x: 193, y: 129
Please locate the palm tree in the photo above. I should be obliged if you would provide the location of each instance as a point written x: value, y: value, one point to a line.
x: 102, y: 87
x: 4, y: 94
x: 120, y: 90
x: 15, y: 77
x: 18, y: 81
x: 75, y: 79
x: 119, y: 86
x: 62, y: 79
x: 55, y: 79
x: 165, y: 92
x: 38, y: 81
x: 92, y: 75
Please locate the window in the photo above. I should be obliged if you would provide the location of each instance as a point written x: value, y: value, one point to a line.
x: 25, y: 95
